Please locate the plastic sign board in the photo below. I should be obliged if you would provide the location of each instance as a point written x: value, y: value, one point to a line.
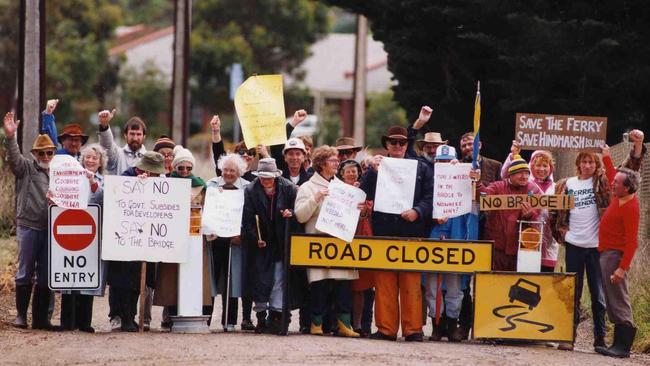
x: 528, y: 306
x: 74, y: 248
x: 404, y: 254
x: 560, y: 133
x: 514, y: 201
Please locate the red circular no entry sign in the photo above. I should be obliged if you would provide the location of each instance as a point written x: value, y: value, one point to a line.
x: 74, y: 229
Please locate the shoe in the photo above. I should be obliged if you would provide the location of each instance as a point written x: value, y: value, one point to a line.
x: 362, y: 332
x: 381, y: 336
x: 346, y: 330
x: 261, y: 323
x: 436, y: 332
x: 147, y: 326
x: 23, y: 294
x: 463, y: 332
x: 229, y: 328
x: 623, y: 340
x: 415, y: 337
x: 40, y: 305
x: 316, y: 329
x: 565, y: 346
x: 128, y: 327
x: 247, y: 325
x: 87, y: 329
x: 453, y: 332
x: 166, y: 326
x: 599, y: 342
x: 116, y: 323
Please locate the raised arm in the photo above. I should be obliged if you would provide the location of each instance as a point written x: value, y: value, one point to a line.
x: 106, y: 139
x: 49, y: 121
x: 17, y: 161
x: 423, y: 118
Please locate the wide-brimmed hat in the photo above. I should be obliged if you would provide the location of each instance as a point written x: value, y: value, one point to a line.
x: 445, y: 152
x: 431, y: 138
x: 43, y: 142
x: 294, y: 143
x: 73, y: 130
x: 394, y: 132
x: 266, y: 168
x: 346, y: 143
x: 151, y: 162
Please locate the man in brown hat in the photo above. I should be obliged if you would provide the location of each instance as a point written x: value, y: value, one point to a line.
x: 31, y: 219
x: 347, y: 148
x: 428, y: 146
x: 405, y: 286
x: 72, y: 139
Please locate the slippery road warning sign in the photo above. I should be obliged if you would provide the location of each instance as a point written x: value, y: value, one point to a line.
x: 534, y: 306
x: 74, y: 249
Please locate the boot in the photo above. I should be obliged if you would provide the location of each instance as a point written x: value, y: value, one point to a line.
x: 623, y: 339
x: 436, y: 333
x: 345, y: 329
x: 261, y: 322
x: 275, y: 326
x: 40, y: 305
x: 453, y: 333
x: 316, y: 327
x: 127, y: 311
x: 23, y: 293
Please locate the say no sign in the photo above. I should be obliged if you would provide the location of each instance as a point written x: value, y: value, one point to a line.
x: 74, y: 248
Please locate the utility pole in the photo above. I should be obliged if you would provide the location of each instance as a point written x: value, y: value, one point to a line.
x: 359, y: 86
x: 180, y: 96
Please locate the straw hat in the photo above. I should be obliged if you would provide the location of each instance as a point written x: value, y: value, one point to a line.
x: 431, y: 138
x: 346, y: 143
x: 43, y: 142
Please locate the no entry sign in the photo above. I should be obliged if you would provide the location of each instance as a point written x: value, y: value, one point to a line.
x: 74, y: 250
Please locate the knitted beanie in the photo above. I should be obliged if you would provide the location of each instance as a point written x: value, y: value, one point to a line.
x: 182, y: 154
x: 163, y: 142
x: 517, y: 165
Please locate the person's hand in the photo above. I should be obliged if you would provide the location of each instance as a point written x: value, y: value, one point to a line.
x: 357, y: 184
x: 376, y: 161
x: 526, y: 208
x: 287, y: 213
x: 215, y: 124
x: 91, y: 177
x: 143, y: 175
x: 261, y: 243
x: 410, y: 215
x: 236, y: 240
x: 454, y: 162
x: 10, y: 125
x: 361, y: 206
x: 210, y: 237
x: 50, y: 197
x: 617, y: 276
x: 298, y: 117
x: 515, y: 148
x: 51, y: 106
x: 423, y: 118
x: 442, y: 220
x: 320, y: 195
x: 105, y: 117
x: 605, y: 151
x: 475, y: 174
x: 261, y: 151
x: 636, y: 136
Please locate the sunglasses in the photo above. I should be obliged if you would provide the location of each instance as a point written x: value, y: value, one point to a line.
x: 184, y: 168
x: 394, y: 142
x: 48, y: 153
x: 249, y: 152
x: 346, y: 152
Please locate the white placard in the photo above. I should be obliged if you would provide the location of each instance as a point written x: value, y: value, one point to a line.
x: 69, y: 185
x: 395, y: 185
x: 146, y: 219
x: 222, y: 212
x: 339, y: 214
x: 452, y: 190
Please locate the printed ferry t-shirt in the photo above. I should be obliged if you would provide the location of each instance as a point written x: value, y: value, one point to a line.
x: 583, y: 218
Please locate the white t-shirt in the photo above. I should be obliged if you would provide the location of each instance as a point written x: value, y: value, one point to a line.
x: 583, y: 219
x: 295, y: 179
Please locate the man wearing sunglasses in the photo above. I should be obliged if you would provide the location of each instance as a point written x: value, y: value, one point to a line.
x: 347, y: 148
x: 31, y: 218
x: 411, y: 223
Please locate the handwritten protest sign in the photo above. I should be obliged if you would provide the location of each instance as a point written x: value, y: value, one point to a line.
x: 560, y: 133
x: 339, y: 214
x: 222, y: 212
x: 69, y: 185
x: 259, y: 103
x: 452, y: 190
x: 395, y: 185
x: 146, y: 219
x: 514, y: 201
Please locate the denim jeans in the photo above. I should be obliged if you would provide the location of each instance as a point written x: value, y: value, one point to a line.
x: 275, y: 298
x: 578, y: 260
x: 452, y: 299
x: 32, y: 256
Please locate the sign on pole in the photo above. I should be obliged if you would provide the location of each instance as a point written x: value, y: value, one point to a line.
x: 74, y: 248
x: 452, y: 190
x: 395, y: 185
x: 511, y: 305
x: 68, y: 182
x: 514, y: 201
x: 560, y: 133
x: 339, y: 214
x: 259, y: 103
x: 149, y: 219
x: 403, y: 254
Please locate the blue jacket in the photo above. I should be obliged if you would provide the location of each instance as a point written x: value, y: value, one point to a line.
x: 49, y: 127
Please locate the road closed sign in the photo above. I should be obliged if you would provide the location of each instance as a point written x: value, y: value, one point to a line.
x: 528, y: 306
x: 74, y: 248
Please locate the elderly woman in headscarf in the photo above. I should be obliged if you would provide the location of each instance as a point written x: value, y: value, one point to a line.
x: 166, y: 293
x: 324, y: 282
x: 226, y: 253
x: 77, y: 306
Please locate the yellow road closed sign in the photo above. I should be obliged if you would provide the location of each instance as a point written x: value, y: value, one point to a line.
x: 534, y: 306
x: 406, y: 254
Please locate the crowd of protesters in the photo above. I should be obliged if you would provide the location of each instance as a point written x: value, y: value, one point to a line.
x: 284, y: 188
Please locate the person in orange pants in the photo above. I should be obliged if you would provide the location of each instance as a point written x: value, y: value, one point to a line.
x: 398, y: 294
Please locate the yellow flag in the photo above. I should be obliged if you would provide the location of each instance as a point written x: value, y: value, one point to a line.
x: 477, y: 110
x: 259, y: 103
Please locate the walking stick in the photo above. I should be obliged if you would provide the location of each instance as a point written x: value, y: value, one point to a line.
x: 227, y: 314
x: 143, y: 274
x: 285, y: 289
x: 438, y: 297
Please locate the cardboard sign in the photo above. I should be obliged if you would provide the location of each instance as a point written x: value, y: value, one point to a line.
x: 452, y: 190
x: 259, y: 103
x: 222, y: 212
x: 560, y: 133
x: 68, y: 182
x: 514, y: 201
x: 339, y: 214
x: 149, y: 219
x: 74, y: 248
x: 511, y: 305
x: 404, y: 254
x: 395, y: 185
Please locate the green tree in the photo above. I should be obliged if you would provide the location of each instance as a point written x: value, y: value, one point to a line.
x: 582, y: 57
x: 381, y: 113
x: 9, y: 27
